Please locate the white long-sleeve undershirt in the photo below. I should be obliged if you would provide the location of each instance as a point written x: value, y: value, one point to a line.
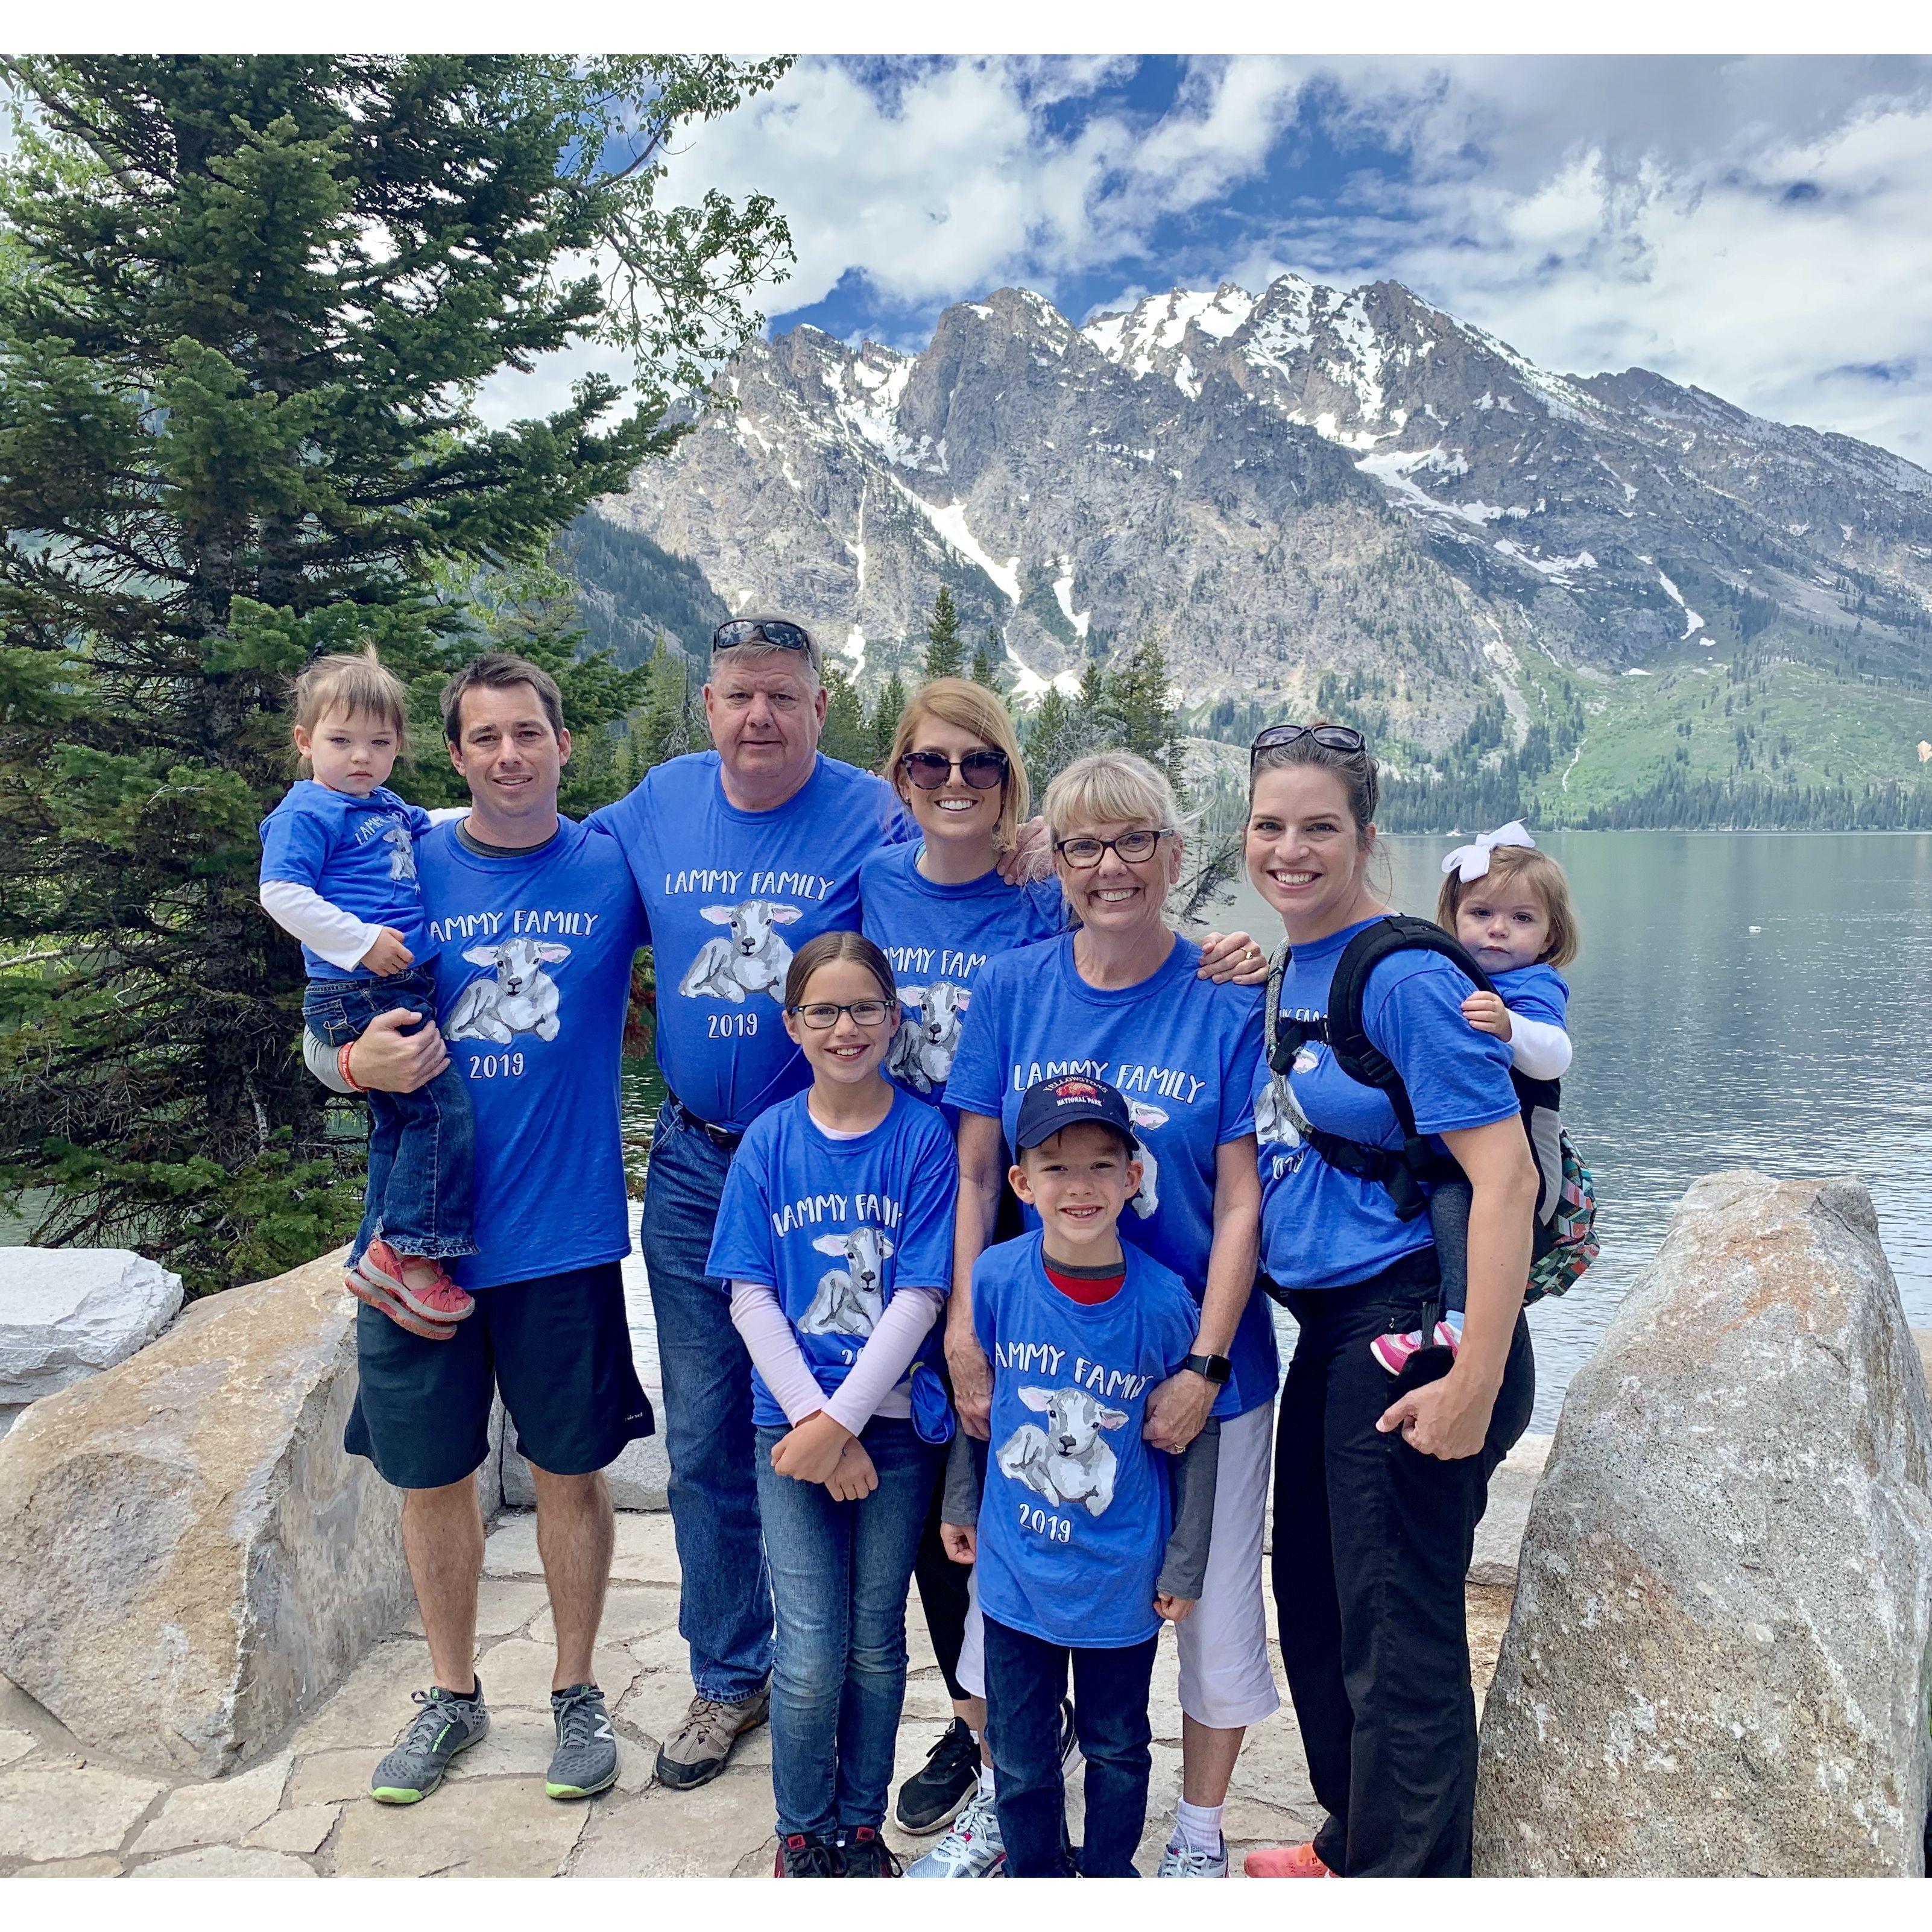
x: 875, y: 1385
x: 322, y: 926
x: 1538, y: 1048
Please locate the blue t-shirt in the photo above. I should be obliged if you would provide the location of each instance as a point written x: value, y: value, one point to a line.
x: 1322, y: 1227
x: 532, y: 977
x: 1537, y: 992
x: 1182, y: 1051
x: 937, y: 937
x: 731, y: 895
x: 837, y: 1227
x: 359, y: 853
x: 1077, y: 1508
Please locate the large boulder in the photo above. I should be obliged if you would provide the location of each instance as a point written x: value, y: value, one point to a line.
x: 1717, y: 1660
x: 188, y: 1561
x: 67, y: 1313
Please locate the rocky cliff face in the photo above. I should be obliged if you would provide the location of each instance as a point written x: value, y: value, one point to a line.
x: 1310, y: 481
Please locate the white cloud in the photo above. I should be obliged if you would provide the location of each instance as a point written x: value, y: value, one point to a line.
x: 1596, y: 214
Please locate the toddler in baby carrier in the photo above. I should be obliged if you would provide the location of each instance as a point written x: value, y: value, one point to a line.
x: 1420, y: 1179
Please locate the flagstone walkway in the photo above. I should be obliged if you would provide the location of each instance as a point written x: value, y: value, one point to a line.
x: 304, y: 1812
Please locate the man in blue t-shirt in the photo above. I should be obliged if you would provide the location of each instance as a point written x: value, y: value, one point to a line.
x: 741, y: 854
x: 532, y: 923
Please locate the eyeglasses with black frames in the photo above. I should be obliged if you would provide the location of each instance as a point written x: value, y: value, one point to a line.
x: 1083, y: 852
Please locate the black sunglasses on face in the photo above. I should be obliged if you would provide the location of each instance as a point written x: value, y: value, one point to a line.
x: 982, y: 770
x: 752, y: 630
x: 1333, y: 737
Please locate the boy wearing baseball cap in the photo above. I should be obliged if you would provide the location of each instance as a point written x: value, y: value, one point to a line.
x: 1085, y: 1538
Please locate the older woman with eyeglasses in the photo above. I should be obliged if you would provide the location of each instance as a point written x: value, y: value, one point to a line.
x: 1121, y: 999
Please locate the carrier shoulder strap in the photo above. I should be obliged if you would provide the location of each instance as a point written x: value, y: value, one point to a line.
x: 1358, y: 1057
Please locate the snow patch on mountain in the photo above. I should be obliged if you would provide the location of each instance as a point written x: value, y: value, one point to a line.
x: 950, y: 522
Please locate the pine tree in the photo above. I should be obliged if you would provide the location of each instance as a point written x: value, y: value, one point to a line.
x: 669, y: 725
x: 984, y: 661
x: 245, y: 306
x: 945, y: 650
x: 848, y: 732
x: 1137, y: 695
x: 886, y: 719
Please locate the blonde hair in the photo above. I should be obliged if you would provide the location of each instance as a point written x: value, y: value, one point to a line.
x: 353, y: 683
x: 968, y: 707
x: 1524, y: 865
x: 1109, y: 788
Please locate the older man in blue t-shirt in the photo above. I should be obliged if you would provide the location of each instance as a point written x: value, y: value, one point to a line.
x: 740, y: 854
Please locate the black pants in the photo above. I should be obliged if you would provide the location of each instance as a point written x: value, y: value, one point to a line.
x: 942, y: 1593
x: 1026, y: 1679
x: 1372, y: 1543
x: 942, y: 1583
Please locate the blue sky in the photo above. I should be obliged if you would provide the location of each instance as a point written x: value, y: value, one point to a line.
x: 1759, y: 227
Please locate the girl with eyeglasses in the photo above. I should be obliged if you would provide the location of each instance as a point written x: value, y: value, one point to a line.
x: 835, y: 1233
x: 1120, y: 1001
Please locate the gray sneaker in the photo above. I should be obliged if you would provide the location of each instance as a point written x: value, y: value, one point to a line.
x: 695, y: 1754
x: 446, y: 1725
x: 585, y: 1761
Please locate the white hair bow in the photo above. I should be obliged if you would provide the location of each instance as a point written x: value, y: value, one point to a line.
x: 1472, y: 862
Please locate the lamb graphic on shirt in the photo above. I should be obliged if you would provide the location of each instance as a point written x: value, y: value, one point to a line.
x: 755, y: 959
x: 1143, y: 1116
x: 1066, y: 1460
x: 849, y: 1300
x: 922, y: 1049
x: 1278, y: 1118
x: 402, y: 849
x: 517, y: 997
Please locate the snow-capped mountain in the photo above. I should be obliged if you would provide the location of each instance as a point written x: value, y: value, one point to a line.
x: 1311, y: 480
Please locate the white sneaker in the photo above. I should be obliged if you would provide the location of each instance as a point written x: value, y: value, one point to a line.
x: 1179, y: 1861
x: 972, y: 1849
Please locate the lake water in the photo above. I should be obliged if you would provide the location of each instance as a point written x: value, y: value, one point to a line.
x: 1742, y: 1000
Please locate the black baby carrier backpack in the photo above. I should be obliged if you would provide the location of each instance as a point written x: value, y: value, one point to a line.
x: 1565, y: 1242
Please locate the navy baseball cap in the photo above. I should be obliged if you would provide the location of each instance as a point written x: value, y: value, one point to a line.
x: 1047, y: 1105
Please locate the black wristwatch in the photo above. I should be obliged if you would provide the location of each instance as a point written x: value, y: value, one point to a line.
x: 1216, y: 1368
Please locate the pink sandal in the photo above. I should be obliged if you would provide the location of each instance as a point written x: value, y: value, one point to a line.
x: 442, y: 1301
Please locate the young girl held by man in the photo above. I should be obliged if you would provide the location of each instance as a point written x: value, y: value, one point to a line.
x: 835, y: 1232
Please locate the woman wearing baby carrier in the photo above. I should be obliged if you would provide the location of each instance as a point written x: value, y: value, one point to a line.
x: 1380, y: 1481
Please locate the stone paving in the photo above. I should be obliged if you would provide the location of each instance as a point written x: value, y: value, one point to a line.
x: 304, y: 1813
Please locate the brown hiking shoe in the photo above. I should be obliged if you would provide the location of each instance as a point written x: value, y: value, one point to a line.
x: 696, y: 1752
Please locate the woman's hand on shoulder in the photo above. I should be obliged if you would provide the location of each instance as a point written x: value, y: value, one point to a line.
x: 1232, y: 956
x: 1031, y: 857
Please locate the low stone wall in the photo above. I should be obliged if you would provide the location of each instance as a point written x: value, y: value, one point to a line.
x: 1717, y: 1661
x: 188, y: 1561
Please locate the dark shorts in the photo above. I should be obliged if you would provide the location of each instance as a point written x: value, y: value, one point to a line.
x: 558, y: 1347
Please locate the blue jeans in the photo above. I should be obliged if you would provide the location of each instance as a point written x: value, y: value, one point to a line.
x: 725, y: 1611
x: 421, y: 1145
x: 841, y: 1573
x: 1026, y: 1678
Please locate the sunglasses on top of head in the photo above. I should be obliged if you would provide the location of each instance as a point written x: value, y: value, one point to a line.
x: 1330, y: 737
x: 984, y: 771
x: 786, y: 637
